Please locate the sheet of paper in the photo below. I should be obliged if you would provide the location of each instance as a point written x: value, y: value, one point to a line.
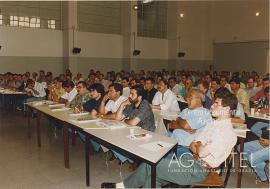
x: 155, y: 146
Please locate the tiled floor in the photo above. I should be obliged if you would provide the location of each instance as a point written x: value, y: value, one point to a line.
x: 24, y: 165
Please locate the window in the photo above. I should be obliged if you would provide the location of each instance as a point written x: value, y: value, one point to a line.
x: 99, y: 16
x: 1, y: 19
x: 31, y: 14
x: 13, y: 21
x: 51, y: 24
x: 34, y: 22
x: 152, y: 19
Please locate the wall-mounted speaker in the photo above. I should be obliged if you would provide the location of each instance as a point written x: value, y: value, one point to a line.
x: 136, y: 52
x: 181, y: 54
x: 76, y: 50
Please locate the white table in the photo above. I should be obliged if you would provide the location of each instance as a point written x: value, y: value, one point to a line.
x: 259, y: 117
x: 114, y: 139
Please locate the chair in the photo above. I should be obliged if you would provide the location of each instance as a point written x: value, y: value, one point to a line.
x: 214, y: 179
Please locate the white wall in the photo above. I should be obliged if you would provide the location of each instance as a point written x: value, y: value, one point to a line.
x: 30, y: 42
x: 100, y: 45
x: 30, y: 50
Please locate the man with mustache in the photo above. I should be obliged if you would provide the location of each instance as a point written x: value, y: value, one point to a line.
x: 137, y: 112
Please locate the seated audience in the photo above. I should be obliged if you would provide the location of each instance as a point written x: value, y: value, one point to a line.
x: 126, y: 89
x: 193, y: 168
x: 173, y: 86
x: 112, y: 101
x: 81, y: 98
x: 203, y: 86
x: 240, y: 93
x: 165, y: 99
x: 70, y: 94
x: 150, y: 90
x: 251, y: 89
x: 260, y: 93
x: 97, y: 93
x: 191, y: 120
x: 56, y: 91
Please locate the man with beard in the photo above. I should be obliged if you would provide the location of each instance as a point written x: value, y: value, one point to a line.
x: 137, y: 112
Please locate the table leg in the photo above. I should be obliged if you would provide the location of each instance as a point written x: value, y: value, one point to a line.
x: 239, y: 175
x: 66, y: 145
x: 29, y: 112
x: 73, y: 137
x: 87, y: 165
x: 38, y: 129
x: 153, y: 176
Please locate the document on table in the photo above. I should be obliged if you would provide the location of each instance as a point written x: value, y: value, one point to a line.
x: 156, y: 146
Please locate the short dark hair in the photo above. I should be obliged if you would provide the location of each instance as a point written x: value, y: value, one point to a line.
x: 164, y: 81
x: 224, y: 76
x: 83, y: 83
x: 266, y: 79
x: 67, y: 84
x: 204, y: 83
x: 220, y: 91
x: 150, y: 79
x: 98, y: 87
x: 172, y: 78
x: 117, y: 87
x: 139, y: 90
x: 29, y: 81
x: 57, y: 79
x: 228, y: 100
x: 125, y: 78
x: 266, y: 90
x: 217, y: 80
x: 142, y: 78
x: 235, y: 80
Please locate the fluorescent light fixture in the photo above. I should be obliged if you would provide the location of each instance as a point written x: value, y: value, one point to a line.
x: 147, y: 1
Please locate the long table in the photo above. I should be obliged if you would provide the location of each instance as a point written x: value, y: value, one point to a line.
x: 11, y: 95
x: 114, y: 139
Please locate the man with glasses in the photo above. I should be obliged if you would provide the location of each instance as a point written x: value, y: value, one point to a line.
x: 82, y: 97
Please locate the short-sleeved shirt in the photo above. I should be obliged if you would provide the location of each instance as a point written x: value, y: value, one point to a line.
x: 144, y: 113
x: 112, y: 106
x: 79, y: 100
x: 92, y: 105
x: 71, y: 95
x: 243, y: 98
x: 196, y: 118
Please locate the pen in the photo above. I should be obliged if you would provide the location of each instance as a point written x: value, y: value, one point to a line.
x: 160, y: 145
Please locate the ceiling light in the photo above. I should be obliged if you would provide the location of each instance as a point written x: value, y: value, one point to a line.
x: 181, y: 15
x: 257, y: 14
x: 136, y: 7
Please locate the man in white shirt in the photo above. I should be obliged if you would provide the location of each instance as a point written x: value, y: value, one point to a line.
x: 35, y: 91
x: 165, y: 99
x: 126, y: 89
x: 115, y: 98
x: 209, y: 149
x: 175, y: 88
x: 70, y: 94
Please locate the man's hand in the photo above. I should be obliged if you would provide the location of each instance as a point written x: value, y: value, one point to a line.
x: 174, y: 125
x: 126, y: 103
x: 191, y: 131
x: 105, y: 98
x: 264, y: 142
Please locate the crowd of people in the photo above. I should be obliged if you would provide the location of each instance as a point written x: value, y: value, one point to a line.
x: 208, y: 105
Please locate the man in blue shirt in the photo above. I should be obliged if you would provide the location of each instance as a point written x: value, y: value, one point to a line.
x: 191, y: 120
